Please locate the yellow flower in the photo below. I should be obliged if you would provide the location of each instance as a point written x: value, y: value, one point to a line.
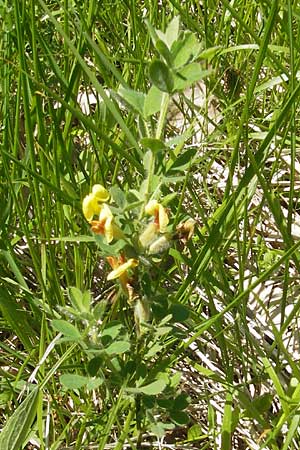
x: 121, y: 269
x: 94, y: 205
x: 91, y: 205
x: 105, y: 225
x: 101, y: 194
x: 161, y: 219
x: 151, y: 207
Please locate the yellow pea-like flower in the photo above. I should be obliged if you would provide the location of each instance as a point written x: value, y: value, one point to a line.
x: 161, y: 219
x: 105, y: 212
x: 151, y: 207
x: 100, y: 193
x: 106, y: 226
x: 122, y: 269
x: 90, y: 207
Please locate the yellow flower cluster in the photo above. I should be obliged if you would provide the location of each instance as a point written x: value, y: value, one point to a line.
x: 154, y: 238
x: 94, y: 205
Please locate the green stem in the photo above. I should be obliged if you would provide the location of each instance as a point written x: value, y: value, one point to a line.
x: 126, y: 429
x: 158, y: 134
x: 162, y: 116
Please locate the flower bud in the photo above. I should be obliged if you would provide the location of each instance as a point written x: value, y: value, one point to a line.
x: 148, y: 235
x: 159, y: 245
x: 141, y: 314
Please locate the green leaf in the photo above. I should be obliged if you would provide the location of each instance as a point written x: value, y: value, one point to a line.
x: 179, y: 256
x: 133, y: 98
x: 16, y: 317
x: 179, y: 417
x: 159, y: 428
x: 149, y: 185
x: 183, y: 162
x: 148, y: 401
x: 73, y: 381
x: 94, y: 365
x: 109, y: 249
x: 152, y: 31
x: 166, y: 319
x: 181, y: 139
x: 117, y: 348
x: 156, y: 348
x: 155, y: 145
x: 86, y: 301
x: 159, y: 307
x: 175, y: 379
x: 147, y: 161
x: 162, y: 48
x: 263, y: 402
x: 210, y: 52
x: 161, y: 331
x: 69, y: 188
x: 153, y: 388
x: 249, y: 409
x: 119, y: 196
x: 179, y: 312
x: 66, y: 328
x: 181, y: 402
x: 99, y: 309
x: 186, y: 49
x: 166, y: 403
x: 172, y: 31
x: 173, y: 179
x: 188, y: 75
x: 194, y: 432
x: 19, y: 424
x: 112, y: 329
x: 94, y: 383
x: 153, y: 101
x: 79, y: 303
x: 161, y: 76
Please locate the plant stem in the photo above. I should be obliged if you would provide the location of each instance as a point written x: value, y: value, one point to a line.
x: 162, y: 115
